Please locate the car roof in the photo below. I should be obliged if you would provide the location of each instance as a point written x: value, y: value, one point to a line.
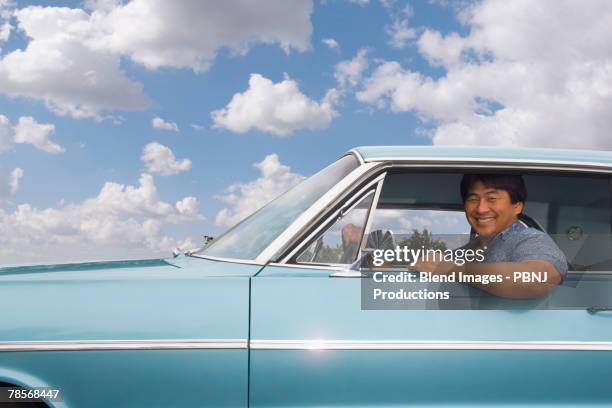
x: 484, y: 154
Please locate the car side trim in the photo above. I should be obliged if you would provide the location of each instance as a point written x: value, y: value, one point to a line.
x: 171, y: 344
x: 85, y: 345
x: 427, y: 345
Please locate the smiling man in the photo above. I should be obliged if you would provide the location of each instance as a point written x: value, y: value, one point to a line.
x: 493, y: 203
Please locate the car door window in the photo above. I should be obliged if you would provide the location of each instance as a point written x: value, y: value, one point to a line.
x: 416, y: 228
x: 419, y: 211
x: 425, y: 211
x: 574, y: 209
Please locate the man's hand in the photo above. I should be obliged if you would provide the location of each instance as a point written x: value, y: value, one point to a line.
x: 351, y: 234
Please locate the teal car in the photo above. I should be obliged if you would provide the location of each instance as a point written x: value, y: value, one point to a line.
x: 272, y: 313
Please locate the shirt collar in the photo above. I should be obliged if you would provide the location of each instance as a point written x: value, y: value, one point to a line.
x: 517, y: 225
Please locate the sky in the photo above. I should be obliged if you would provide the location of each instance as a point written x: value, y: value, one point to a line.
x: 128, y: 128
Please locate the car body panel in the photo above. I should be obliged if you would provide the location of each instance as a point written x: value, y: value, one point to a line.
x: 429, y: 378
x: 135, y: 378
x: 161, y: 309
x: 330, y: 309
x: 320, y: 312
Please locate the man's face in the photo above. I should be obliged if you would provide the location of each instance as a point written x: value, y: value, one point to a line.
x: 490, y: 211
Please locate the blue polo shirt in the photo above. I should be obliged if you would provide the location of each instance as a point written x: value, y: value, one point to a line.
x: 519, y: 243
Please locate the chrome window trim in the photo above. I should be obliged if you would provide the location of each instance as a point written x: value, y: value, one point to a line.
x: 443, y: 166
x: 366, y: 230
x: 314, y: 211
x: 220, y: 259
x: 444, y: 162
x: 358, y: 155
x: 170, y: 344
x: 331, y: 267
x: 374, y: 186
x: 428, y: 345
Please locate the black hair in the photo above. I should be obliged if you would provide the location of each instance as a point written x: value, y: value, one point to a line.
x: 513, y: 184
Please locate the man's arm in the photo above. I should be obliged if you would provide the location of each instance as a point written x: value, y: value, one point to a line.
x: 507, y: 288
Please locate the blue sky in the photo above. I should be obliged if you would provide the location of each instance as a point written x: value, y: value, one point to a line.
x: 82, y: 82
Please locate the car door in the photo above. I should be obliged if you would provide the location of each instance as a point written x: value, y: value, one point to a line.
x: 315, y: 342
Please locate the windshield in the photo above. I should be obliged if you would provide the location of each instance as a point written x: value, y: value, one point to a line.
x: 252, y: 235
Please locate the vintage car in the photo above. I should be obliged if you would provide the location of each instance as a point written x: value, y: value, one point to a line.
x: 271, y: 313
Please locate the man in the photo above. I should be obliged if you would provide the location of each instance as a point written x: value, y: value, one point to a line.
x: 492, y: 204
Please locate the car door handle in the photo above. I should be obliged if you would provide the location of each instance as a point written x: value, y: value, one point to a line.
x: 595, y: 309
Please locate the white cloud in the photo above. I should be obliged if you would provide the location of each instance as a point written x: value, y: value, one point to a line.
x: 279, y: 109
x: 27, y: 131
x: 6, y: 134
x: 6, y: 12
x: 72, y: 60
x: 331, y: 43
x: 441, y: 50
x: 158, y: 158
x: 246, y: 198
x: 159, y: 123
x: 37, y: 134
x: 16, y: 175
x: 61, y: 68
x: 405, y: 90
x: 387, y: 4
x: 197, y: 127
x: 400, y: 33
x: 120, y: 222
x: 9, y: 186
x: 526, y: 74
x: 350, y: 72
x: 164, y: 41
x: 5, y: 8
x: 5, y: 31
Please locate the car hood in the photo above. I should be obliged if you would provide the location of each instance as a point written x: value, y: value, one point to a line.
x: 181, y: 266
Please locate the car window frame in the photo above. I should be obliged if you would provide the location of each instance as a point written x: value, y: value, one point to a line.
x: 371, y: 187
x: 285, y: 258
